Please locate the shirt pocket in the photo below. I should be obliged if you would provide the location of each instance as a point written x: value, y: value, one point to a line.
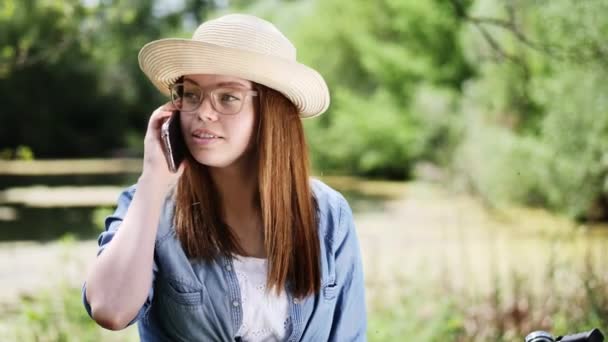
x: 330, y: 291
x: 329, y: 287
x: 181, y: 309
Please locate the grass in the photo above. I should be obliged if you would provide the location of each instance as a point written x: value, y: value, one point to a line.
x: 55, y: 315
x: 435, y: 311
x: 426, y: 311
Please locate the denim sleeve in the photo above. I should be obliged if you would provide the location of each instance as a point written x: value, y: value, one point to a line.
x: 350, y: 317
x: 112, y: 223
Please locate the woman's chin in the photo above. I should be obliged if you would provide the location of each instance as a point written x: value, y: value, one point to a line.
x: 213, y: 161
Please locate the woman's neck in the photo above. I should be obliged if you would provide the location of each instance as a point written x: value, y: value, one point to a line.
x: 237, y: 187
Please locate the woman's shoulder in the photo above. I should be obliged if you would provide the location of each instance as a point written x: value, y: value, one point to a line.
x: 127, y: 193
x: 333, y: 209
x: 328, y: 198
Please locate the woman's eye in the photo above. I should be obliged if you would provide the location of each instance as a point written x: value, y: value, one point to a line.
x: 229, y: 98
x: 190, y: 96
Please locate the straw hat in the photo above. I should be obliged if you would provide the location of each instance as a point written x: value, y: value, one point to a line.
x: 242, y: 46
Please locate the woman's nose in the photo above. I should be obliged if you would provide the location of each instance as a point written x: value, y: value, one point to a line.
x: 206, y: 112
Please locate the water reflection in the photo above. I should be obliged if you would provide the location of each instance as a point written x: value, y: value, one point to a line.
x: 19, y: 222
x: 46, y: 224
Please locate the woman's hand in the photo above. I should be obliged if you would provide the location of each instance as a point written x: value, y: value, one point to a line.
x: 155, y: 167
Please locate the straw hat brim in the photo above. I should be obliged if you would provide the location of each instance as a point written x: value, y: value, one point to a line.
x: 165, y: 60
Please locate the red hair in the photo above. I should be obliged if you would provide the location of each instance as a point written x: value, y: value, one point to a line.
x: 284, y: 197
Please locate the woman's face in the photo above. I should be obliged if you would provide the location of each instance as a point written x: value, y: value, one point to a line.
x: 215, y: 139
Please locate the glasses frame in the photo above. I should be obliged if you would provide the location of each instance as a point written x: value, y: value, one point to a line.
x: 211, y: 95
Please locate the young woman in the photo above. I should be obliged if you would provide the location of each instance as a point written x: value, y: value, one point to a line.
x: 239, y: 244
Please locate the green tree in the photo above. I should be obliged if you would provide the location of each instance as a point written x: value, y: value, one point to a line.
x: 70, y: 84
x: 48, y: 83
x: 538, y: 108
x: 377, y: 58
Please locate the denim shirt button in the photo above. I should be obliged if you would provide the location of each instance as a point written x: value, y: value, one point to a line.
x: 235, y: 303
x: 296, y: 301
x: 228, y: 268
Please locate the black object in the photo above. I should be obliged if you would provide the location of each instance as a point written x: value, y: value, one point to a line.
x: 594, y: 335
x: 174, y: 145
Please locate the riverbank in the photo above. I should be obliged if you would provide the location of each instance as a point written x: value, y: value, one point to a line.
x: 416, y: 226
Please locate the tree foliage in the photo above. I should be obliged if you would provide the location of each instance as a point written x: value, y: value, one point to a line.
x: 508, y: 94
x: 70, y: 85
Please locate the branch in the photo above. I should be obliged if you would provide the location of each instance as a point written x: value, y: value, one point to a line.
x: 459, y: 8
x: 494, y: 44
x: 509, y: 25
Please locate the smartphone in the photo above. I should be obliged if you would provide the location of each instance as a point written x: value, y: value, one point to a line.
x: 173, y: 141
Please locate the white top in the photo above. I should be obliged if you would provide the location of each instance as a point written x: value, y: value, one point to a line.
x: 265, y: 315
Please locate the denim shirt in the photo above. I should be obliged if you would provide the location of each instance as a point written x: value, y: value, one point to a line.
x: 195, y: 300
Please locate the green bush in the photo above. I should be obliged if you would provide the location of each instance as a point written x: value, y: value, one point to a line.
x: 537, y: 126
x: 368, y: 136
x: 378, y: 57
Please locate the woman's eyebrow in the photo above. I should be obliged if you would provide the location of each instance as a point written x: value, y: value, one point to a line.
x: 231, y: 84
x: 221, y: 84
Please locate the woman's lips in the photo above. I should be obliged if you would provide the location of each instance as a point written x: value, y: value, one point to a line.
x: 199, y: 140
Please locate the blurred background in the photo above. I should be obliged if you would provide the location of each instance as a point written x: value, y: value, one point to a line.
x: 470, y: 137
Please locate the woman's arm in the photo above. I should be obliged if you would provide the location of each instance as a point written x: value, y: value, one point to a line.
x: 350, y: 316
x: 121, y: 277
x: 119, y: 280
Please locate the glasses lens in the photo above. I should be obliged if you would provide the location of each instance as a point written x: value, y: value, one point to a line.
x: 186, y: 97
x: 228, y: 101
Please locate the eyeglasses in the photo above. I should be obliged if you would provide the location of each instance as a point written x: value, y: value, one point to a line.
x: 188, y: 97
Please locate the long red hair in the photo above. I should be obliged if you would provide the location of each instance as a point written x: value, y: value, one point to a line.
x: 285, y: 199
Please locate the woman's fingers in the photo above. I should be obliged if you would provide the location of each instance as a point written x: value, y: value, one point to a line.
x: 160, y: 115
